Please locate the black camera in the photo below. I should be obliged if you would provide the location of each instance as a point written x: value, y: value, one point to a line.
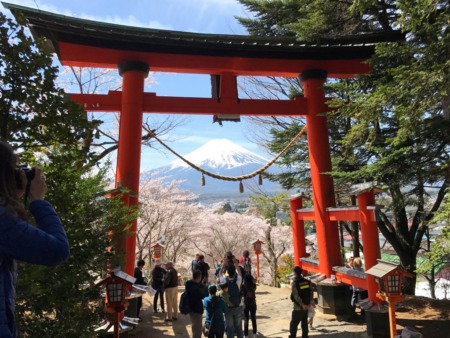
x: 29, y: 174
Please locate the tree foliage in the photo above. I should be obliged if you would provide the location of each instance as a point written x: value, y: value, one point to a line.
x: 392, y: 125
x: 48, y: 131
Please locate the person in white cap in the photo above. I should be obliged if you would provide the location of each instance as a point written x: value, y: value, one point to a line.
x: 158, y: 274
x: 171, y: 290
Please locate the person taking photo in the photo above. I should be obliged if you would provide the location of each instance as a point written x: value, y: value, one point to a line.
x: 43, y: 244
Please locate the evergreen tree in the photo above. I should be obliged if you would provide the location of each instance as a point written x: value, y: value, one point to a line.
x: 392, y: 126
x: 48, y: 131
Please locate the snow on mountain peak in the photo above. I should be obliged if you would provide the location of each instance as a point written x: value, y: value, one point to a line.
x: 220, y: 154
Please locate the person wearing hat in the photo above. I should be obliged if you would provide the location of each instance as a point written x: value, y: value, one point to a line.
x: 196, y: 291
x: 157, y: 284
x: 171, y: 290
x: 301, y: 298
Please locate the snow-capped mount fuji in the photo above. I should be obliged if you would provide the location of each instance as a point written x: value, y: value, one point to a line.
x: 219, y: 156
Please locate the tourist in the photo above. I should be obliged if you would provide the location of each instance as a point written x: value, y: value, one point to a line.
x: 196, y: 291
x: 358, y: 293
x: 139, y: 281
x: 194, y: 262
x: 246, y: 262
x: 203, y: 267
x: 248, y: 290
x: 223, y: 293
x: 157, y: 283
x: 171, y: 291
x: 233, y: 278
x: 44, y: 243
x: 349, y: 264
x: 215, y: 308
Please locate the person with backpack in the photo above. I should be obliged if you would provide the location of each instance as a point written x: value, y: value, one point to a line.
x: 215, y: 308
x: 248, y: 290
x: 246, y: 262
x: 196, y: 291
x: 233, y: 317
x: 301, y: 296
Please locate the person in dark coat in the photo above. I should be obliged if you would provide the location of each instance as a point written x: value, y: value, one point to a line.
x: 203, y: 267
x: 171, y: 291
x: 196, y: 291
x: 301, y: 297
x: 158, y: 274
x: 44, y: 244
x: 248, y: 290
x: 140, y: 281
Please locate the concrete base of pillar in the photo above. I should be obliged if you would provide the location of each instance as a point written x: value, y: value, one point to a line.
x: 334, y: 299
x: 377, y: 322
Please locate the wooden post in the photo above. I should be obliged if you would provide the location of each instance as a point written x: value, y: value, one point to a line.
x: 298, y: 230
x: 369, y: 234
x: 116, y: 324
x: 129, y: 147
x: 320, y: 164
x: 257, y: 268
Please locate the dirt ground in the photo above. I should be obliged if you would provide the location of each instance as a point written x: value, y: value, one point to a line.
x: 430, y: 317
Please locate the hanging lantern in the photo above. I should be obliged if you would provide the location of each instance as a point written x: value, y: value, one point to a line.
x: 203, y: 180
x: 241, y: 187
x: 260, y: 181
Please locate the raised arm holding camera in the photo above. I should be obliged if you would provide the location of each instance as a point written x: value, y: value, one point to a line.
x: 43, y: 244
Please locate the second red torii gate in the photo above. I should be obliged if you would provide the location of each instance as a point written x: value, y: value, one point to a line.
x: 136, y: 51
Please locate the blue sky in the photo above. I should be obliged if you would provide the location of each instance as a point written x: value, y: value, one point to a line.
x: 200, y: 16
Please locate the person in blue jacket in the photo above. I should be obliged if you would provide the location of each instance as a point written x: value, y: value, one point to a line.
x: 44, y: 244
x: 215, y: 309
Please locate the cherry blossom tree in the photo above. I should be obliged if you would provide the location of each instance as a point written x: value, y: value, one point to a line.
x: 167, y: 215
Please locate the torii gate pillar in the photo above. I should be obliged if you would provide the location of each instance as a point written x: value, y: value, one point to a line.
x: 320, y: 163
x: 129, y: 148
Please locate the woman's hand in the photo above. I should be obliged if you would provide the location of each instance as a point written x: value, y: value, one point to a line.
x: 38, y: 187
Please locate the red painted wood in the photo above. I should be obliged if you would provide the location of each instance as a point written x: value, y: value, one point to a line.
x: 320, y: 162
x: 86, y: 56
x: 351, y: 280
x: 129, y: 151
x: 369, y: 236
x: 298, y: 230
x: 310, y: 267
x: 197, y: 106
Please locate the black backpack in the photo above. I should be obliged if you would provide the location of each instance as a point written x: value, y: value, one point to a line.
x: 185, y: 306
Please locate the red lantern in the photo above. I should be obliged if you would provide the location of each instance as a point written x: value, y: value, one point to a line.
x: 389, y: 276
x: 117, y: 285
x: 257, y: 246
x: 157, y: 250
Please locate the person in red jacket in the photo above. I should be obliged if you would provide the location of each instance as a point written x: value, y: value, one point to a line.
x: 44, y: 244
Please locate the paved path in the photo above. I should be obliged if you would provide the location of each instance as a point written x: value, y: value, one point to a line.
x: 273, y: 317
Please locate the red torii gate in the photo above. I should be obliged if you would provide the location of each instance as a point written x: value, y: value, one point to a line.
x: 135, y: 51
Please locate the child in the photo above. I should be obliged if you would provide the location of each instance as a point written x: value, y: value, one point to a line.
x: 311, y: 314
x: 224, y: 294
